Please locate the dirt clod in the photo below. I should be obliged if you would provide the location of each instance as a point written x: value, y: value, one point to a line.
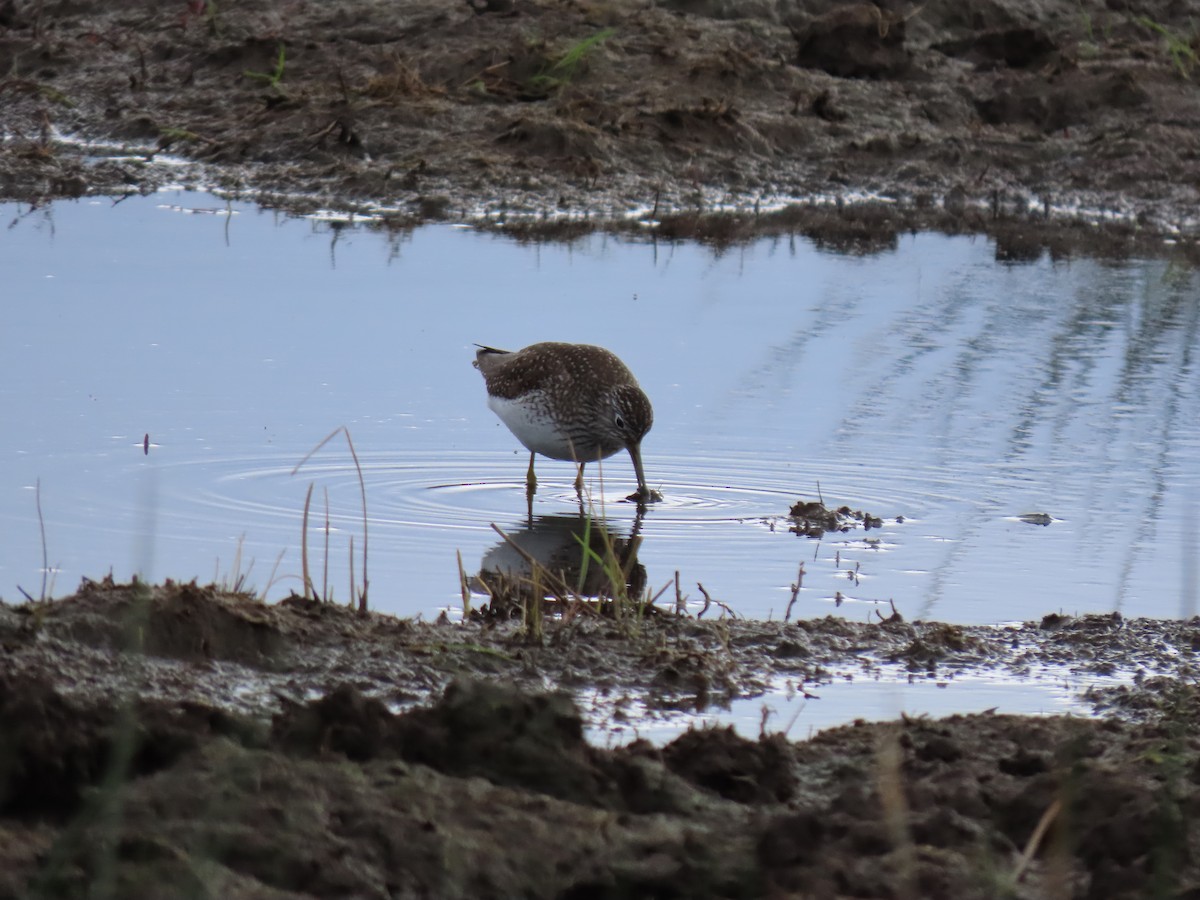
x: 370, y: 756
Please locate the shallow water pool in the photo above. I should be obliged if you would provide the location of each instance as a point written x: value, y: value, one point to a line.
x: 929, y: 384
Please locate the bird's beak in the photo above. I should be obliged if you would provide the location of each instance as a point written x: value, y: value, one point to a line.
x: 635, y: 453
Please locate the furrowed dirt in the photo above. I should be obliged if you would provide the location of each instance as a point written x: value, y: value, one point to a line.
x: 177, y: 740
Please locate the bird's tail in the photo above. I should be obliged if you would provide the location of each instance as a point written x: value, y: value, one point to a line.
x: 485, y: 350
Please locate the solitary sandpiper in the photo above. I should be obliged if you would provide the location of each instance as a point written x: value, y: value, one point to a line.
x: 569, y: 401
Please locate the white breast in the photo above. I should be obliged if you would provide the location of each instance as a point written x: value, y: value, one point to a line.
x: 532, y: 427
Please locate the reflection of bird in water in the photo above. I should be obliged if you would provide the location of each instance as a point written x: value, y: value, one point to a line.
x: 569, y: 401
x: 555, y: 545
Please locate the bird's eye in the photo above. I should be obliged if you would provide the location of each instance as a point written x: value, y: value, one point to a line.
x: 620, y: 421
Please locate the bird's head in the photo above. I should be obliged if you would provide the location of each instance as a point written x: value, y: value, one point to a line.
x: 629, y: 415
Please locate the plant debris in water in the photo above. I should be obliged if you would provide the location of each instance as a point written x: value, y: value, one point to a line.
x: 1036, y: 518
x: 812, y: 518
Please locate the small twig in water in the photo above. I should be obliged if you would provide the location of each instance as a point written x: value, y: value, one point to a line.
x: 709, y: 601
x: 795, y: 592
x: 894, y: 617
x: 763, y: 715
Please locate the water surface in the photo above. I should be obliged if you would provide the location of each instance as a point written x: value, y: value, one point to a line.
x: 928, y: 384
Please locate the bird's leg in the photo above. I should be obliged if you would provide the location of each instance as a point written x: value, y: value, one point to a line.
x: 530, y: 479
x: 579, y: 481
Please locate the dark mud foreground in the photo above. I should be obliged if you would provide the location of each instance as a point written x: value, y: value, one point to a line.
x: 180, y: 741
x: 1035, y: 121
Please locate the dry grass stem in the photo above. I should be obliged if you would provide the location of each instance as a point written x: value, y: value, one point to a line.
x: 325, y: 562
x: 362, y: 487
x: 535, y: 566
x: 350, y: 601
x: 308, y: 588
x: 890, y: 784
x: 37, y: 494
x: 709, y: 601
x: 1035, y: 840
x: 662, y: 590
x: 274, y: 571
x: 464, y: 587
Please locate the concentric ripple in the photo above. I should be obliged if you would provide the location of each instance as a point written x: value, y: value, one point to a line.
x: 717, y: 517
x: 470, y: 489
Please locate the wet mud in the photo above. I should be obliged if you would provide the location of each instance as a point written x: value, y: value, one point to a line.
x: 183, y: 739
x: 1065, y: 126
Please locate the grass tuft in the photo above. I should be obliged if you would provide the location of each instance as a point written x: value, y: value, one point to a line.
x: 565, y: 69
x: 359, y: 594
x: 1183, y: 54
x: 272, y: 78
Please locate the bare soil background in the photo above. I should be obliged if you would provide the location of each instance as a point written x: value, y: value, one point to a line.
x: 998, y: 115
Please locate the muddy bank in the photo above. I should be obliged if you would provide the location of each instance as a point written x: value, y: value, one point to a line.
x: 1010, y: 117
x: 181, y: 643
x: 178, y: 735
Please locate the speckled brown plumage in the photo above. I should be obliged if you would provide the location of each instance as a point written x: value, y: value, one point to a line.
x: 568, y: 401
x: 558, y: 368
